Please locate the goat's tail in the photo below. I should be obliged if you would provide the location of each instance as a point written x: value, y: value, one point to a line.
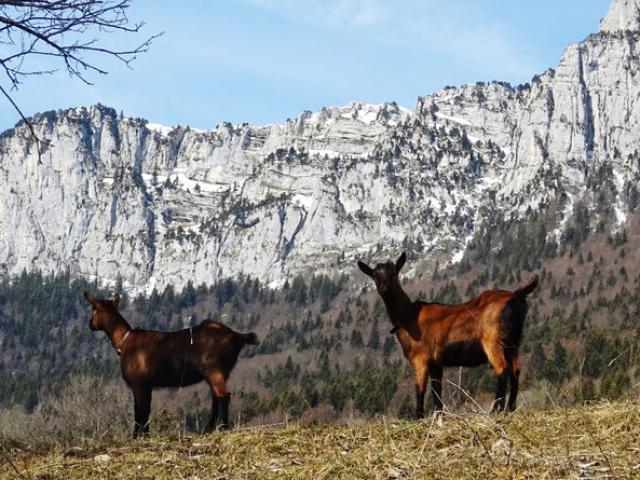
x: 528, y: 287
x: 514, y: 313
x: 249, y: 338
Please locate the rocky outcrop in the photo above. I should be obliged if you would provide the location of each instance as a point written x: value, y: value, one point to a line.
x: 622, y: 15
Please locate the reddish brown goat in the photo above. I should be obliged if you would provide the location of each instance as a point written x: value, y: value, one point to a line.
x: 485, y: 329
x: 151, y: 359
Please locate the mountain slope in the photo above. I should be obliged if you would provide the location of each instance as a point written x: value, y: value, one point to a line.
x: 119, y: 199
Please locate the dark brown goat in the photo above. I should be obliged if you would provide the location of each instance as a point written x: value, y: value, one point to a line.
x: 485, y: 329
x: 151, y: 359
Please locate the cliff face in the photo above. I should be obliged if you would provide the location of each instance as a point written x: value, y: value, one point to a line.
x: 622, y: 15
x: 122, y: 198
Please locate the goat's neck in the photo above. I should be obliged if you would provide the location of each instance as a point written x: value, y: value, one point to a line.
x: 116, y: 328
x: 399, y: 306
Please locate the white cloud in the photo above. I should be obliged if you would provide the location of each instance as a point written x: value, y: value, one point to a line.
x: 461, y: 30
x: 331, y: 13
x: 485, y: 47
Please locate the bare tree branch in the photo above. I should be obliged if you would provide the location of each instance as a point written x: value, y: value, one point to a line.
x: 39, y: 142
x: 66, y: 32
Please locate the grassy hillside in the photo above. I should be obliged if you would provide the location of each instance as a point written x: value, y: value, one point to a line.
x: 326, y: 353
x: 597, y: 441
x: 325, y: 344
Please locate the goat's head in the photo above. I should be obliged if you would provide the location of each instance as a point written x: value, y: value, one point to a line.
x: 102, y: 310
x: 384, y: 274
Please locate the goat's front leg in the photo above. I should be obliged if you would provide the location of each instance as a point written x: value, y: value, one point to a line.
x: 141, y: 410
x: 436, y: 386
x: 422, y: 375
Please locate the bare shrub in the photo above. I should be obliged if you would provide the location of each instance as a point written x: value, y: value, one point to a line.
x: 86, y: 410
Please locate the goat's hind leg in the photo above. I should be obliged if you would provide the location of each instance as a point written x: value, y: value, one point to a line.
x: 221, y: 400
x: 501, y: 392
x: 514, y: 381
x: 224, y: 411
x: 496, y: 357
x: 213, y: 421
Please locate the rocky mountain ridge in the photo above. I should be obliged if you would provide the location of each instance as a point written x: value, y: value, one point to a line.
x: 121, y: 200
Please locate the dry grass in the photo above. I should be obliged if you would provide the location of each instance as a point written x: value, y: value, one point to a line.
x: 601, y: 441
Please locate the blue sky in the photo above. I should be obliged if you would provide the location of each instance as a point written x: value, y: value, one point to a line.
x: 262, y: 61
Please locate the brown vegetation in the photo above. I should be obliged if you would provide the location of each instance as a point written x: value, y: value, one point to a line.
x: 598, y: 441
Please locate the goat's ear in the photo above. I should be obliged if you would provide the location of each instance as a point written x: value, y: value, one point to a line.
x: 115, y: 299
x: 366, y: 269
x: 91, y: 299
x: 400, y: 261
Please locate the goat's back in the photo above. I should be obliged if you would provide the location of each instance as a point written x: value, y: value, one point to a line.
x: 221, y: 330
x: 184, y: 356
x: 496, y: 314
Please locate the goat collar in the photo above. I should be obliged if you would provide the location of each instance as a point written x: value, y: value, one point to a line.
x: 121, y: 344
